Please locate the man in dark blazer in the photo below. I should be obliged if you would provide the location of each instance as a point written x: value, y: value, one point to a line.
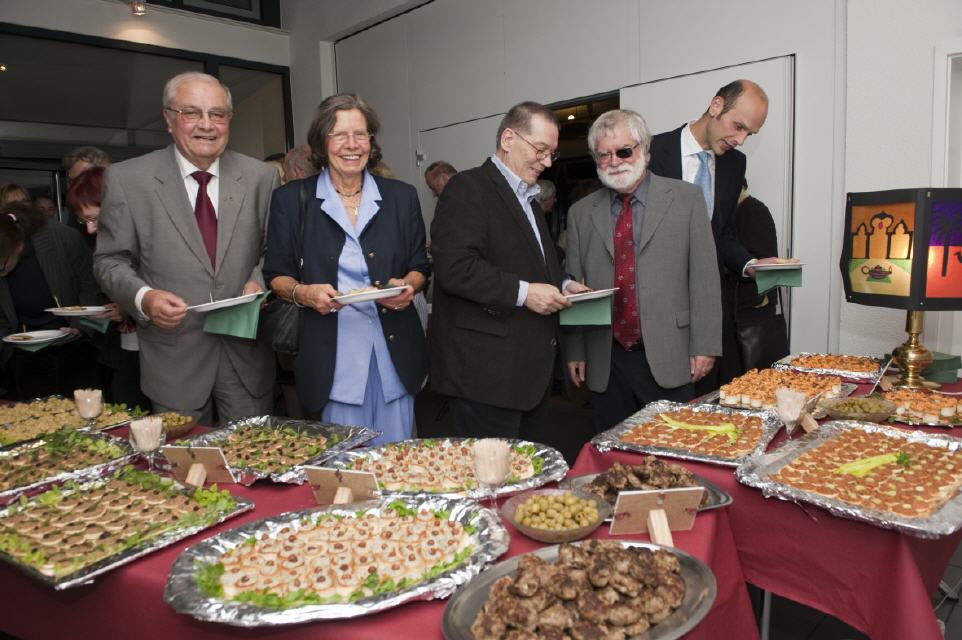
x: 650, y: 237
x: 183, y: 226
x: 494, y: 328
x: 704, y: 153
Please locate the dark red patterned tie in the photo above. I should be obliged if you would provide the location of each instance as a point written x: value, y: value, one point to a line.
x: 206, y: 219
x: 626, y: 325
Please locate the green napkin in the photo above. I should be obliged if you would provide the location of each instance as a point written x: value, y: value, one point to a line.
x: 944, y: 368
x: 587, y: 312
x: 97, y: 324
x: 767, y: 280
x: 239, y: 321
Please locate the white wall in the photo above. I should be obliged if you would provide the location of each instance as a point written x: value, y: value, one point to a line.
x: 161, y: 27
x: 889, y: 128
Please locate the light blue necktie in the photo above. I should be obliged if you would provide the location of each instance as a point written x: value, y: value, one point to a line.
x: 703, y: 180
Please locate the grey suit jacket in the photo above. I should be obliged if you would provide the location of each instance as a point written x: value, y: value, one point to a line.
x: 148, y: 235
x: 676, y: 277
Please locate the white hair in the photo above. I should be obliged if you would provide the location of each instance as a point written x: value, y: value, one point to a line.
x: 170, y: 89
x: 547, y: 190
x: 608, y: 120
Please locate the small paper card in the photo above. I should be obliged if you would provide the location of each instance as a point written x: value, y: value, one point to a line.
x: 326, y: 481
x: 587, y: 312
x: 181, y: 459
x: 765, y: 281
x: 239, y: 320
x: 632, y: 507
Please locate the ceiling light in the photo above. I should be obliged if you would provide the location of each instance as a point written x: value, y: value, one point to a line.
x: 138, y: 8
x: 571, y: 116
x: 3, y: 68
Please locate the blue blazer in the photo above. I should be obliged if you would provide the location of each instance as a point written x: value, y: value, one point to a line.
x: 393, y: 244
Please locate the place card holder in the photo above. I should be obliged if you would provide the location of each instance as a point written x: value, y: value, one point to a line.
x: 340, y: 486
x: 656, y: 512
x: 196, y: 465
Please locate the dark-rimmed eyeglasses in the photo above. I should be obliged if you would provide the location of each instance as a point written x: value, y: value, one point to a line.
x: 539, y: 152
x: 190, y: 114
x: 624, y: 153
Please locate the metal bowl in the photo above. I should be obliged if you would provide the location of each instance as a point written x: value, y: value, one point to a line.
x: 553, y: 536
x: 863, y: 409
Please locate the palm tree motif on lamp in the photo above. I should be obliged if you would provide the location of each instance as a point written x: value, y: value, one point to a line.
x: 944, y: 277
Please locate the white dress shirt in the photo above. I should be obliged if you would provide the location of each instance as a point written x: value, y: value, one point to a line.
x: 192, y: 186
x: 690, y: 162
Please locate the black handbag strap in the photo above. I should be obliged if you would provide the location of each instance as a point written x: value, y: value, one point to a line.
x: 302, y: 215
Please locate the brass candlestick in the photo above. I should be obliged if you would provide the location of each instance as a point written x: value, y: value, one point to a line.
x: 911, y: 357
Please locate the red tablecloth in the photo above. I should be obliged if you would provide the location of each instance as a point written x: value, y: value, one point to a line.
x: 128, y: 602
x: 876, y: 580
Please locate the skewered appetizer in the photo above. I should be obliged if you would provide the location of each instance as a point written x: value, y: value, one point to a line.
x: 324, y: 558
x: 705, y: 432
x: 756, y: 389
x: 438, y: 466
x: 598, y: 589
x: 925, y: 406
x: 65, y: 450
x: 63, y: 530
x: 877, y: 471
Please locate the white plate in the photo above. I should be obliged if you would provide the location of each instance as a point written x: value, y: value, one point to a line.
x: 591, y: 295
x: 776, y: 267
x: 221, y: 304
x: 36, y: 337
x: 368, y: 296
x: 76, y: 311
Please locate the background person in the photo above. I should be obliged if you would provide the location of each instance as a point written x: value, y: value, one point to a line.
x: 42, y: 265
x: 436, y: 176
x: 359, y: 364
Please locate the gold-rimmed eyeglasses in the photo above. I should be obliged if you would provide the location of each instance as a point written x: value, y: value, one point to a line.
x: 190, y: 114
x: 539, y: 152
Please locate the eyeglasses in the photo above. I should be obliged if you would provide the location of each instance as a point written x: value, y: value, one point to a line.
x: 190, y: 114
x: 88, y: 220
x: 539, y: 153
x: 624, y: 153
x: 341, y: 137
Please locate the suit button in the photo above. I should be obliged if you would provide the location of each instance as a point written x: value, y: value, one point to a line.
x: 553, y: 342
x: 391, y: 337
x: 371, y: 255
x: 383, y: 310
x: 377, y: 283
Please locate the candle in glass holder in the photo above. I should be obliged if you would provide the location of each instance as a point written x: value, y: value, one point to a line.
x: 89, y: 402
x: 146, y: 433
x: 492, y: 461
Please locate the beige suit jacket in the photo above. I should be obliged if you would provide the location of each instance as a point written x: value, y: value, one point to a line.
x: 148, y: 236
x: 676, y: 277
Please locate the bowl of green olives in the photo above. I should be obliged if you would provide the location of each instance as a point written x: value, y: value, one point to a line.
x: 864, y: 408
x: 556, y: 515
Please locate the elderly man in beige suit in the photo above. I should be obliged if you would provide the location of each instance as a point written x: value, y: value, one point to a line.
x: 183, y: 226
x: 650, y: 237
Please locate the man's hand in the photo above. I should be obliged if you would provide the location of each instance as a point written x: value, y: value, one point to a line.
x: 750, y: 271
x: 576, y: 287
x: 400, y: 301
x: 252, y: 287
x: 545, y: 298
x: 700, y: 366
x: 576, y: 371
x: 165, y: 309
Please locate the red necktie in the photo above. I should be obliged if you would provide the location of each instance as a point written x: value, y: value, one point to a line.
x: 626, y: 325
x: 206, y: 219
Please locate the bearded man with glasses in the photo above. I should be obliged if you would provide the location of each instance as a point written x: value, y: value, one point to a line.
x: 183, y: 226
x: 498, y: 286
x: 650, y: 238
